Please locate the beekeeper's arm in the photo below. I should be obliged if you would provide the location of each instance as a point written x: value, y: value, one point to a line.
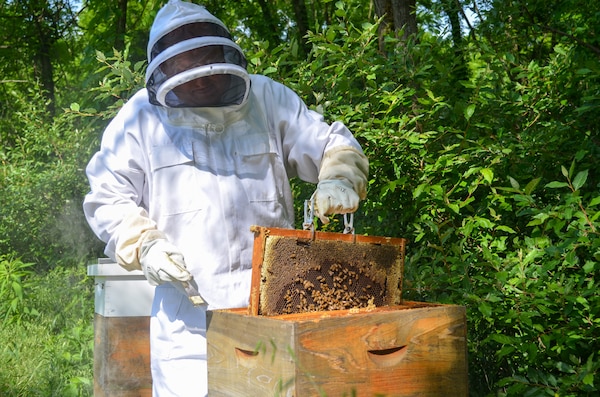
x: 140, y: 245
x: 318, y: 152
x: 114, y: 208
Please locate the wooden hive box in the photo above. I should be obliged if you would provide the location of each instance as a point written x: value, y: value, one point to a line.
x: 415, y: 349
x: 400, y: 349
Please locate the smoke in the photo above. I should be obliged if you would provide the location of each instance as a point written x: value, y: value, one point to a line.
x: 74, y: 235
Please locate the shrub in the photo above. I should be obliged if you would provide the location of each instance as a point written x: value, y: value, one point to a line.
x: 42, y: 185
x: 475, y: 184
x: 14, y: 282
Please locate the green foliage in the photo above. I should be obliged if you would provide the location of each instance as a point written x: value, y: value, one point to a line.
x: 447, y: 164
x: 532, y: 294
x: 121, y: 79
x: 13, y: 282
x: 52, y: 353
x: 491, y: 175
x: 42, y: 184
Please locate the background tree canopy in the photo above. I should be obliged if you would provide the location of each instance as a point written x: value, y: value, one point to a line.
x: 480, y: 119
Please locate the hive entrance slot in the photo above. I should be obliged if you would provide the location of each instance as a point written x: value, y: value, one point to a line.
x: 245, y: 353
x: 388, y: 357
x: 386, y: 352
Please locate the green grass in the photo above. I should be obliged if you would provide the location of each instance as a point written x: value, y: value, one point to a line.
x: 47, y: 345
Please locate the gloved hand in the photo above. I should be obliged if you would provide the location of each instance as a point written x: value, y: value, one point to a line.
x: 342, y: 182
x: 140, y: 245
x: 334, y: 197
x: 162, y: 262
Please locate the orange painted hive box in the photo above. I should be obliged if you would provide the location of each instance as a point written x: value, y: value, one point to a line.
x: 326, y: 318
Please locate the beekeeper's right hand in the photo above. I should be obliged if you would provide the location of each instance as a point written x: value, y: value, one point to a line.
x: 161, y: 262
x: 140, y: 246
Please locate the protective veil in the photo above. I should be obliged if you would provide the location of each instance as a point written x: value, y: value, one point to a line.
x: 191, y: 51
x: 198, y: 171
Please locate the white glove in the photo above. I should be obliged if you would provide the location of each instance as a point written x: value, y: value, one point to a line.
x: 342, y: 182
x: 139, y: 245
x: 162, y: 262
x: 334, y: 197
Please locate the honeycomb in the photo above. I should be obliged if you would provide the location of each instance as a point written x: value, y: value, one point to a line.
x: 303, y: 275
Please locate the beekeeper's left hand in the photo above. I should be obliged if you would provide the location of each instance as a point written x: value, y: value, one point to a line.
x: 342, y: 182
x: 334, y: 197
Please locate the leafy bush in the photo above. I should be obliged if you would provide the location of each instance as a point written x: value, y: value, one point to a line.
x: 495, y: 222
x: 13, y: 281
x: 42, y: 185
x: 531, y: 294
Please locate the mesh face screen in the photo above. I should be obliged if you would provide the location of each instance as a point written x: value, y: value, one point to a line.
x: 299, y: 275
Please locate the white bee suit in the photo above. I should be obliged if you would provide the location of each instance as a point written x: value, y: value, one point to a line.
x: 201, y: 176
x: 205, y: 176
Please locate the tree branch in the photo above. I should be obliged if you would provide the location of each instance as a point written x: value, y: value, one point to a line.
x: 546, y: 28
x: 594, y: 49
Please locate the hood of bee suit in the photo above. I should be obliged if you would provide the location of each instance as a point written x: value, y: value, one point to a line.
x: 192, y: 60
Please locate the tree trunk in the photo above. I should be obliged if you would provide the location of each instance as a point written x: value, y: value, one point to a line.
x: 405, y: 17
x: 47, y: 77
x: 301, y: 15
x: 452, y: 9
x: 43, y: 69
x: 121, y: 25
x: 398, y: 15
x: 383, y: 10
x: 274, y: 38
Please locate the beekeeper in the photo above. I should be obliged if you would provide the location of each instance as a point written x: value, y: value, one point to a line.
x: 190, y: 163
